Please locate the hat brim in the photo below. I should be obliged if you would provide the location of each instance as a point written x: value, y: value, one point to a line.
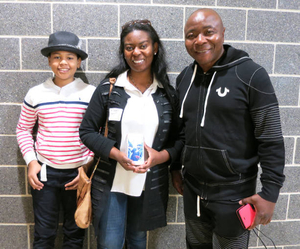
x: 46, y: 51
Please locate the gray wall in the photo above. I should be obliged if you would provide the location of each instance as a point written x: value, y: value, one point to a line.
x: 268, y: 30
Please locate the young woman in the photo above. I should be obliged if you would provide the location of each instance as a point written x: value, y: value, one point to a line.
x: 129, y: 199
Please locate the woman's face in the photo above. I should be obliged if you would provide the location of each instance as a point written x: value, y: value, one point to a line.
x: 139, y: 51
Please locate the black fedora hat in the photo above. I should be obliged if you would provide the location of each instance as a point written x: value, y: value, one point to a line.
x: 64, y: 41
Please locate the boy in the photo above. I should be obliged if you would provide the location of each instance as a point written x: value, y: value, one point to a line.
x: 58, y: 105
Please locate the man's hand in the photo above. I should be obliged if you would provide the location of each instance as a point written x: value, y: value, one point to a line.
x: 33, y: 169
x: 264, y: 210
x: 177, y: 181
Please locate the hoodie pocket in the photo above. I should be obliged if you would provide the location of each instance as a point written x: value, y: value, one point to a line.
x: 208, y: 164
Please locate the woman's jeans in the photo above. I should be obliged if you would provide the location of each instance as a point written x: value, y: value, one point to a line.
x: 121, y: 216
x: 46, y: 206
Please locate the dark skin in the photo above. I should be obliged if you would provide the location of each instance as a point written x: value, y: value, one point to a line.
x: 204, y: 38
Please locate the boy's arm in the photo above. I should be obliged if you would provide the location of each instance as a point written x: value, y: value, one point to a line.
x: 24, y: 132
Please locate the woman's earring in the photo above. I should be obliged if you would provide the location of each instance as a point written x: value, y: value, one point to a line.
x: 154, y: 53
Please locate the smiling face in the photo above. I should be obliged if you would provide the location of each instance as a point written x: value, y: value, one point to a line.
x: 64, y: 65
x: 139, y: 51
x: 204, y: 37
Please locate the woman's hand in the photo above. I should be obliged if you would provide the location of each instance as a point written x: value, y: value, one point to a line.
x: 33, y: 169
x: 122, y: 159
x: 155, y: 157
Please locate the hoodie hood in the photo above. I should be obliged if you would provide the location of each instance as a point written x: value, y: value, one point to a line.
x: 230, y: 58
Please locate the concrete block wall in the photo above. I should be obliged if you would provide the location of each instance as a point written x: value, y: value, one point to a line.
x: 268, y: 30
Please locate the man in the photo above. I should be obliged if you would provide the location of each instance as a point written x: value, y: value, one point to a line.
x: 231, y: 123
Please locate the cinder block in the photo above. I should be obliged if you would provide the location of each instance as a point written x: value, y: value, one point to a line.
x: 9, y: 53
x: 294, y: 211
x: 280, y: 208
x: 263, y: 25
x: 15, y: 85
x: 261, y: 54
x: 12, y: 181
x: 292, y: 183
x: 31, y: 54
x: 171, y: 236
x: 289, y: 120
x: 9, y: 151
x: 205, y: 3
x: 286, y: 53
x: 287, y: 90
x: 234, y: 21
x: 9, y: 116
x: 13, y: 237
x: 267, y: 4
x: 289, y: 143
x: 289, y: 4
x: 121, y: 1
x: 103, y: 54
x: 16, y: 210
x: 297, y: 152
x: 282, y: 233
x: 25, y: 19
x: 176, y: 55
x: 86, y: 20
x: 167, y: 21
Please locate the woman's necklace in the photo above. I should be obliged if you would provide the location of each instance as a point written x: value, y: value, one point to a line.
x: 147, y: 86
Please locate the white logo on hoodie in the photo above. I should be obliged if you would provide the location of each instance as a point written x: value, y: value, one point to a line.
x: 222, y: 94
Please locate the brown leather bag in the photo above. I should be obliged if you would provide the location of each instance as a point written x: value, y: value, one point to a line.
x: 83, y: 213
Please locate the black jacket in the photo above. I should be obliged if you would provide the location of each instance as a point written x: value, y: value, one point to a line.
x: 156, y: 186
x: 231, y: 124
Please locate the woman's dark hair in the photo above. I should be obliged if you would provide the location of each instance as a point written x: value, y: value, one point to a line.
x: 158, y: 66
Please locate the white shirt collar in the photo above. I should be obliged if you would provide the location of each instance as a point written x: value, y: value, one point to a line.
x: 122, y: 81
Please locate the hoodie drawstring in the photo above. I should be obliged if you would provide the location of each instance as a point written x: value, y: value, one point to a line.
x: 198, y: 206
x: 206, y: 98
x: 193, y: 77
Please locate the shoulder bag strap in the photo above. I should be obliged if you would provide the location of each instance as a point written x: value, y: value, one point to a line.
x: 112, y: 82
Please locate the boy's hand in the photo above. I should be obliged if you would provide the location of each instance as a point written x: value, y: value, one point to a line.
x: 33, y: 169
x: 72, y: 185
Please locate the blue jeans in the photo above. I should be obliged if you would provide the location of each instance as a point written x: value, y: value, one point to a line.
x: 121, y: 215
x: 46, y: 206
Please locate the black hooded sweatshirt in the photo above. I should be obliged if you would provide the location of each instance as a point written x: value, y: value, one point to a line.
x: 231, y: 124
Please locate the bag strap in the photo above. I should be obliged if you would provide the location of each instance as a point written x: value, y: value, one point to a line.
x: 112, y: 82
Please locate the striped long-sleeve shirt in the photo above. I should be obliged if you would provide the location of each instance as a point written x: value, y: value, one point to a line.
x: 59, y: 112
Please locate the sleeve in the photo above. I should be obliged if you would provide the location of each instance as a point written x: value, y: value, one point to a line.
x: 24, y: 130
x: 176, y: 162
x: 174, y: 145
x: 265, y: 114
x: 93, y: 120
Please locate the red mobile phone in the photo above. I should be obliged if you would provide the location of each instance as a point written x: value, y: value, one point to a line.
x: 246, y: 215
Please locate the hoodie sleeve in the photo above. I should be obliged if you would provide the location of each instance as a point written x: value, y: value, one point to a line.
x: 265, y: 114
x: 176, y: 162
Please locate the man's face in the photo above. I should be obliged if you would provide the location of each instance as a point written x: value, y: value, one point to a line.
x: 204, y: 38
